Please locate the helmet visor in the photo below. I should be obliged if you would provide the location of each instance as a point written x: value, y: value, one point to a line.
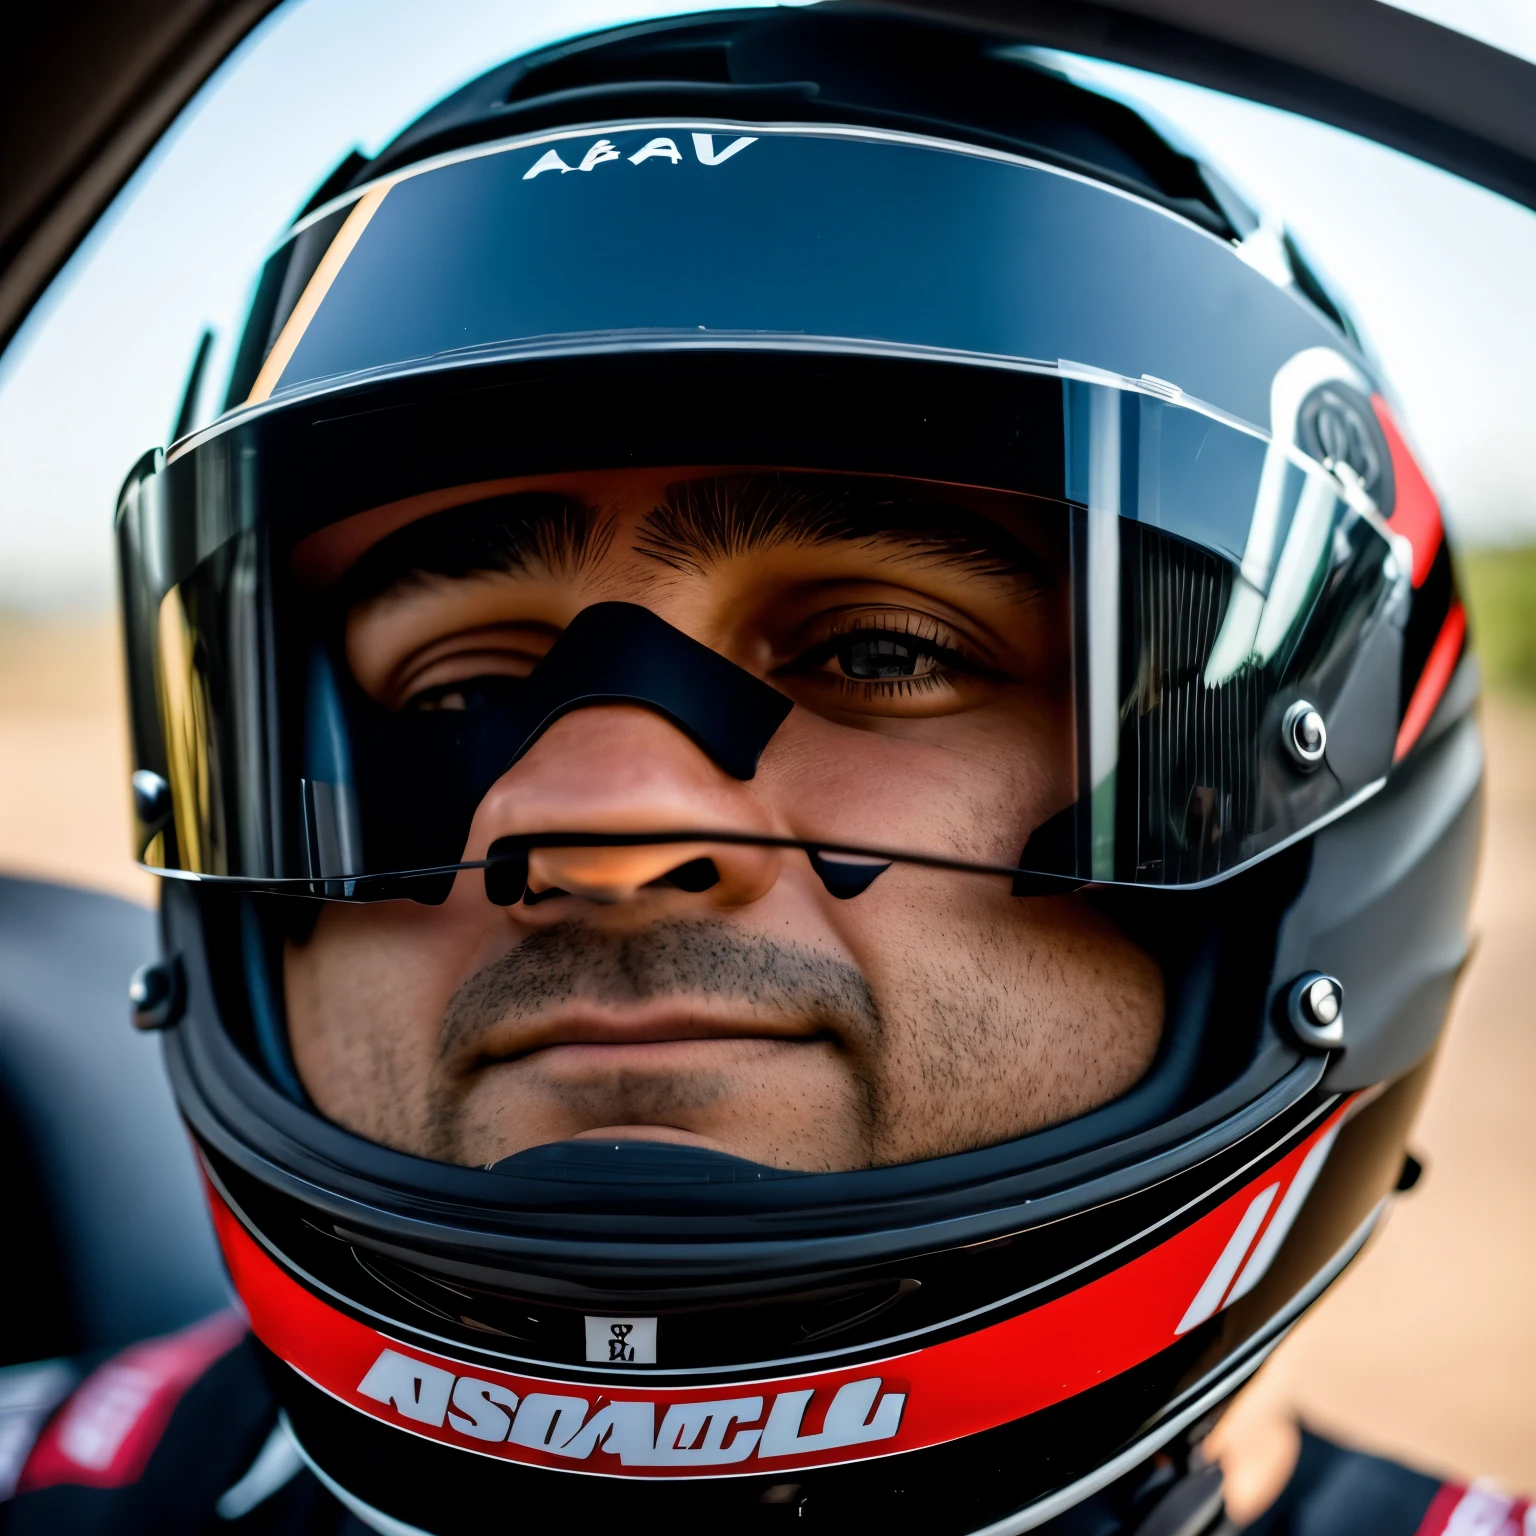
x: 1021, y: 623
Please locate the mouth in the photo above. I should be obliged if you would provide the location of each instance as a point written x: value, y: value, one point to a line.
x: 595, y: 1036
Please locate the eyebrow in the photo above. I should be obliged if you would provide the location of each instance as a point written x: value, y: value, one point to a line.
x: 701, y: 521
x: 500, y: 534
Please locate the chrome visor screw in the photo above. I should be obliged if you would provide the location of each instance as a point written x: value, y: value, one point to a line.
x: 1306, y: 737
x: 151, y: 797
x: 1315, y: 1011
x: 157, y: 995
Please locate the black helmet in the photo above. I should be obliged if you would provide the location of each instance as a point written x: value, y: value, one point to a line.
x: 888, y: 269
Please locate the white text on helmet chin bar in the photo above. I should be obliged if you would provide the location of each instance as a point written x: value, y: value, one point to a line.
x: 691, y: 1434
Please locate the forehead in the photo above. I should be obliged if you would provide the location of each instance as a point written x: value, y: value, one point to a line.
x: 685, y: 519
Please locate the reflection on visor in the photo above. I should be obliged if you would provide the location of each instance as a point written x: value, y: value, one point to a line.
x: 439, y: 763
x: 1086, y: 675
x: 845, y: 871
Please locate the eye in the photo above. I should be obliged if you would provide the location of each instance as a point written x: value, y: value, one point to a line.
x: 490, y: 691
x: 869, y: 656
x: 886, y: 661
x: 468, y: 671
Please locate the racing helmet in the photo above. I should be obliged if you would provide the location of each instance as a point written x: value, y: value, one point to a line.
x: 900, y: 274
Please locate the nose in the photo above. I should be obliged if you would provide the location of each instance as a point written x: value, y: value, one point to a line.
x: 623, y: 769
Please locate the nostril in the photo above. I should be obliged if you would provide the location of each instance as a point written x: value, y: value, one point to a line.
x: 533, y: 898
x: 695, y: 875
x: 506, y: 875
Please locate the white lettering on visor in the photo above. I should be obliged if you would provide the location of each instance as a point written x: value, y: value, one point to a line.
x: 601, y: 152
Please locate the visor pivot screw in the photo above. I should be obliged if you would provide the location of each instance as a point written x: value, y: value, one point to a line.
x: 1305, y: 734
x: 157, y: 995
x: 151, y: 798
x: 1315, y: 1012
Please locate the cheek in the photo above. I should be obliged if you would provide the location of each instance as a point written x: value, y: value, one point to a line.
x: 1103, y: 999
x: 366, y: 993
x: 1000, y: 1016
x: 977, y: 794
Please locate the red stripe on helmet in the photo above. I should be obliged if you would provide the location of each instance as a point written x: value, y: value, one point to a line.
x: 1433, y: 680
x: 1416, y: 512
x: 627, y: 1427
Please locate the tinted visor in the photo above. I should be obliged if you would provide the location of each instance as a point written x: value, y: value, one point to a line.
x: 1000, y: 620
x: 659, y: 234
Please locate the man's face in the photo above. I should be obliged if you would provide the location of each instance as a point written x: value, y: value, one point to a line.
x: 921, y: 631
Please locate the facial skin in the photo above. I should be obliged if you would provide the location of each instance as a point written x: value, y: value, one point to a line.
x: 762, y: 1017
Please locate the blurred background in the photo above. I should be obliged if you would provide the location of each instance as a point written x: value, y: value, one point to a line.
x: 1427, y: 1348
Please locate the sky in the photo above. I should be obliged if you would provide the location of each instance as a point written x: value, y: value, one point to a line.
x: 1438, y: 271
x: 1507, y: 24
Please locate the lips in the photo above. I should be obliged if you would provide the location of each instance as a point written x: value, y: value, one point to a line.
x: 646, y: 1027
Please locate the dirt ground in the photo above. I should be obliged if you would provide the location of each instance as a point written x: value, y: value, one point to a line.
x: 1426, y: 1349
